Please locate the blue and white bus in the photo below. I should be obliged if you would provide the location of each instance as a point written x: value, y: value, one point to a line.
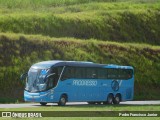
x: 74, y: 81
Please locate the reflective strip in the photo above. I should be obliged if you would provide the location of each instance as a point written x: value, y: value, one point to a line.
x: 45, y: 94
x: 61, y: 73
x: 30, y: 96
x: 120, y: 83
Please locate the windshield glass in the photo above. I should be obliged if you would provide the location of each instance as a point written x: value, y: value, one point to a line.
x: 36, y: 80
x: 42, y: 79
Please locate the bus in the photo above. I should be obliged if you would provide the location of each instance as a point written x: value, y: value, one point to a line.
x: 75, y: 81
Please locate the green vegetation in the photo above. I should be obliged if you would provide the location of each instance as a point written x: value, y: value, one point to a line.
x: 21, y: 51
x: 120, y: 21
x: 87, y: 118
x: 38, y: 30
x: 89, y: 108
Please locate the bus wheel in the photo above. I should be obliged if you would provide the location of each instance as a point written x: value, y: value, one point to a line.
x: 91, y: 103
x: 110, y: 99
x: 43, y: 103
x: 62, y: 100
x: 99, y: 103
x: 117, y: 99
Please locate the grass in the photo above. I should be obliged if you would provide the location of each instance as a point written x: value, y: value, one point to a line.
x: 122, y: 21
x: 88, y: 118
x: 86, y: 108
x: 89, y: 108
x: 76, y: 8
x: 41, y: 4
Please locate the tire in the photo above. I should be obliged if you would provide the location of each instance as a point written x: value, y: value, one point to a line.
x: 99, y: 103
x: 43, y: 103
x: 62, y: 101
x: 104, y: 103
x: 117, y: 99
x: 91, y: 103
x: 110, y: 99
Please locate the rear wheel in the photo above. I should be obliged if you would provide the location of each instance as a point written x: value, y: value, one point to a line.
x: 110, y: 99
x: 117, y: 99
x: 43, y: 103
x: 62, y: 101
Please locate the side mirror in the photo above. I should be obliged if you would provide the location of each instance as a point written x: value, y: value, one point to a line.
x: 23, y: 76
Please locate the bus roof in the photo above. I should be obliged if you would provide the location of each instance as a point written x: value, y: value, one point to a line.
x: 118, y: 66
x: 49, y: 64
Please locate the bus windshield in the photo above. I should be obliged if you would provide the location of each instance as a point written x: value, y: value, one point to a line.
x: 36, y: 80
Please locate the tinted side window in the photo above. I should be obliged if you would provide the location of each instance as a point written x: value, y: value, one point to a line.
x: 80, y: 72
x: 96, y: 73
x: 69, y: 72
x: 129, y: 73
x: 122, y: 74
x: 91, y: 73
x: 125, y: 74
x: 54, y: 76
x: 102, y: 73
x: 112, y: 73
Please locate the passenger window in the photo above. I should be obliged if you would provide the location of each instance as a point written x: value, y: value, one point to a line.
x: 69, y: 72
x: 112, y: 73
x: 125, y: 74
x: 80, y: 72
x: 91, y: 73
x: 54, y: 77
x: 129, y: 73
x: 102, y: 73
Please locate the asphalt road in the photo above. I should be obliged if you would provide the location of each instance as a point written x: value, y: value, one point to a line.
x: 25, y: 105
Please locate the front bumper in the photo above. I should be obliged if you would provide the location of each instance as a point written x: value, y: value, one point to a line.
x: 46, y: 96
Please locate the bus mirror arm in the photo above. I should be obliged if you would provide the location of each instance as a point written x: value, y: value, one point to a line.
x: 50, y: 75
x: 23, y: 76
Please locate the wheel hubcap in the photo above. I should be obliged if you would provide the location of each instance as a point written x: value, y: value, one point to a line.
x: 110, y: 100
x: 63, y: 100
x: 117, y: 98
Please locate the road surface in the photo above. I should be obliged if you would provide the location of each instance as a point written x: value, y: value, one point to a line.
x: 25, y: 105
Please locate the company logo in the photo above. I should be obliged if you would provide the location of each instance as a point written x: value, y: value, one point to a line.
x: 115, y: 85
x: 6, y: 114
x: 21, y: 114
x: 85, y: 82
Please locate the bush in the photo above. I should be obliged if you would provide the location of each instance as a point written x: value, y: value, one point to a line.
x: 104, y: 21
x: 23, y: 51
